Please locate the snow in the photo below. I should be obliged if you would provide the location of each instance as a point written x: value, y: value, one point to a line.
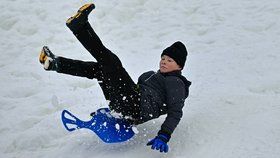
x: 117, y: 126
x: 135, y: 130
x: 124, y: 98
x: 234, y: 105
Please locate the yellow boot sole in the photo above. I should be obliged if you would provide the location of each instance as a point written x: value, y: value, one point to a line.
x: 79, y: 12
x: 42, y: 57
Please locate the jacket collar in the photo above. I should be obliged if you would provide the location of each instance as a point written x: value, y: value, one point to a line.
x: 172, y: 73
x: 178, y: 73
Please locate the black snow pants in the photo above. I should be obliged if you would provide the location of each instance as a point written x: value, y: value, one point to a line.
x: 115, y: 82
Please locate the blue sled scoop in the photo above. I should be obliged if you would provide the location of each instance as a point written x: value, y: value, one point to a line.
x: 103, y: 124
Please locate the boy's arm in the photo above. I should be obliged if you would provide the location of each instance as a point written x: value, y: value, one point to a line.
x: 176, y: 94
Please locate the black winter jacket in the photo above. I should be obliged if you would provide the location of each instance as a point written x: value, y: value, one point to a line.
x: 163, y: 93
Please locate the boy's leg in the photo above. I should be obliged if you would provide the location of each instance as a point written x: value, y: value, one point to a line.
x: 83, y: 31
x: 72, y: 67
x: 124, y: 95
x: 81, y: 28
x: 90, y: 40
x: 119, y: 85
x: 69, y: 66
x: 80, y: 68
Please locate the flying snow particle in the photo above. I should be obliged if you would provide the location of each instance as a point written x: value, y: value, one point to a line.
x: 117, y: 126
x: 93, y: 123
x: 135, y: 130
x: 109, y: 115
x: 124, y: 98
x: 103, y: 111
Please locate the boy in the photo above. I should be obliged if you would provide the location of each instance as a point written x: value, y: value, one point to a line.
x: 155, y: 94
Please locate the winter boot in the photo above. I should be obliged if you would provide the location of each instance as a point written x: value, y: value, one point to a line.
x: 77, y: 21
x: 48, y: 59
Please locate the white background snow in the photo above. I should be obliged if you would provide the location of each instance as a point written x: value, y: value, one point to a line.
x: 234, y: 105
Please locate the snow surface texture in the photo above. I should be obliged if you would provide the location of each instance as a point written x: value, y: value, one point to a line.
x: 234, y: 105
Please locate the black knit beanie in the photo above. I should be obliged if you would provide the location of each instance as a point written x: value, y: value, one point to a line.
x: 178, y: 52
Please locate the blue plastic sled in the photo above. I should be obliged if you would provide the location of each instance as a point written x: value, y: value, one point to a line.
x: 107, y: 128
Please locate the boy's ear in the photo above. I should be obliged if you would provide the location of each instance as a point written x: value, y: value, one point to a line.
x: 180, y: 68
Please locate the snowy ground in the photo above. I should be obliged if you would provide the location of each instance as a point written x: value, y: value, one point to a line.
x: 234, y: 105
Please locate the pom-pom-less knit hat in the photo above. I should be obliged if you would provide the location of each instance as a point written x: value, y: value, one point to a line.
x: 178, y: 52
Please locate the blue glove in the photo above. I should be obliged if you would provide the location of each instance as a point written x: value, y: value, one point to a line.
x: 160, y: 143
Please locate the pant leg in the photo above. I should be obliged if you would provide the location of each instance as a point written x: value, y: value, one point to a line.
x: 89, y: 39
x: 121, y: 88
x: 80, y: 68
x: 124, y: 96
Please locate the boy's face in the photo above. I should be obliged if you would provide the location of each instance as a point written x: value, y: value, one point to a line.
x: 167, y: 64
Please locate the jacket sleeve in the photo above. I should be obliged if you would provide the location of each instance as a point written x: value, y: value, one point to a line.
x: 175, y: 99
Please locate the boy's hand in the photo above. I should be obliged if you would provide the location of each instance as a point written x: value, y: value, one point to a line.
x: 159, y: 143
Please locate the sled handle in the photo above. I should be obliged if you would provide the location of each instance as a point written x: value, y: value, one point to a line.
x: 67, y: 121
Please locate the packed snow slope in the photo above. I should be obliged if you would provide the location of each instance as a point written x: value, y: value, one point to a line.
x: 234, y: 105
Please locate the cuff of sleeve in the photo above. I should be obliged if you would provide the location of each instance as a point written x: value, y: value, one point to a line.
x: 166, y: 135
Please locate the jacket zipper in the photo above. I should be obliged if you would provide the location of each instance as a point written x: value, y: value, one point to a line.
x: 150, y: 77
